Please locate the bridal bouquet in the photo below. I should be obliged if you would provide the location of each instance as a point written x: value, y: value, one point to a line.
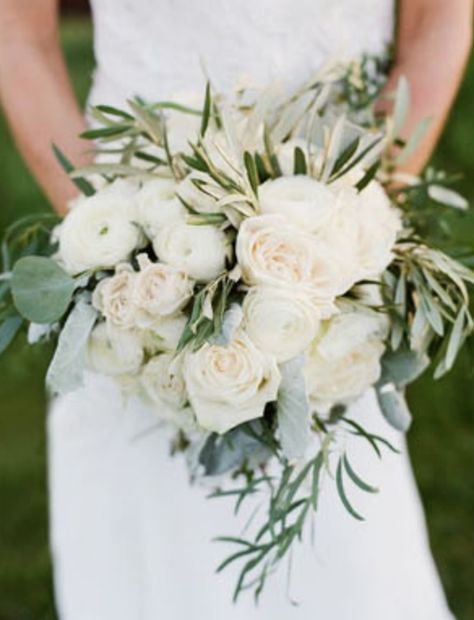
x: 249, y: 268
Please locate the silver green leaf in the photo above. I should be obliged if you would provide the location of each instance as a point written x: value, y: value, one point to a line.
x: 293, y: 409
x: 232, y: 320
x: 41, y: 289
x: 403, y: 366
x: 65, y: 372
x: 393, y: 406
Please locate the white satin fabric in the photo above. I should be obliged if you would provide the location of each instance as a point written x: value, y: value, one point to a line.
x: 130, y: 536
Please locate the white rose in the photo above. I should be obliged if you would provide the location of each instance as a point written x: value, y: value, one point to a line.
x: 279, y: 322
x: 271, y: 252
x: 364, y: 228
x: 163, y: 381
x: 101, y: 230
x: 229, y: 385
x: 344, y: 359
x: 303, y: 201
x: 163, y: 384
x: 164, y: 334
x: 158, y: 205
x: 113, y: 297
x: 114, y: 351
x: 200, y: 251
x: 160, y: 290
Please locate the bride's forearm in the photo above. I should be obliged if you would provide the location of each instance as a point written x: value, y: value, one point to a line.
x: 433, y: 43
x: 39, y: 102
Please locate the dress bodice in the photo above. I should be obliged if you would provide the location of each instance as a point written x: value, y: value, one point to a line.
x: 161, y: 48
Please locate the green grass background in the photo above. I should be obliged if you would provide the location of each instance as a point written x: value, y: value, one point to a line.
x: 441, y: 441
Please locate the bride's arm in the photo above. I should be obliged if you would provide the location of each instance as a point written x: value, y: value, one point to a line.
x: 36, y: 92
x: 433, y: 43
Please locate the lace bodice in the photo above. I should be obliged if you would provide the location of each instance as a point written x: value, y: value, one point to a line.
x: 163, y: 48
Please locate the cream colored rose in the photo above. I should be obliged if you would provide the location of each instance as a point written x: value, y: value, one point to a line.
x: 303, y: 201
x: 114, y: 351
x: 163, y: 380
x: 163, y: 384
x: 164, y: 334
x: 364, y: 229
x: 113, y: 297
x: 160, y: 290
x: 279, y: 322
x: 273, y: 253
x: 158, y: 205
x: 229, y: 385
x: 101, y: 230
x: 199, y: 251
x: 344, y: 359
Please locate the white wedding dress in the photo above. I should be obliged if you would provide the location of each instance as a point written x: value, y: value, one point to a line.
x: 131, y: 539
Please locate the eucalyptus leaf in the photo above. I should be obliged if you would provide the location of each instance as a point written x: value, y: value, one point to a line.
x: 41, y: 289
x: 393, y: 406
x: 293, y: 409
x: 65, y: 372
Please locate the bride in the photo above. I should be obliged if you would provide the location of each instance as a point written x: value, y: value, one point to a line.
x: 130, y: 538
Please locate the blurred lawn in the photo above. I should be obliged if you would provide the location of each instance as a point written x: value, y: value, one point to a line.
x: 442, y: 439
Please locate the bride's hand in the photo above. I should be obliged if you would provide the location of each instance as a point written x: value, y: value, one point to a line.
x: 36, y: 93
x: 432, y: 46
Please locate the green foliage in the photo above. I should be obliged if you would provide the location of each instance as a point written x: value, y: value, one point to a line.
x: 41, y: 290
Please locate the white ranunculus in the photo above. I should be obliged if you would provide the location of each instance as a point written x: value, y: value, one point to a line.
x: 303, y: 201
x: 114, y: 351
x: 273, y: 253
x: 344, y: 359
x: 229, y: 385
x: 279, y: 322
x: 158, y: 205
x: 160, y: 290
x: 200, y: 251
x: 164, y: 334
x: 101, y: 230
x: 364, y: 228
x: 113, y: 297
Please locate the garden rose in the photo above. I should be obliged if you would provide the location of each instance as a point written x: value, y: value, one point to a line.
x: 344, y: 359
x: 279, y: 322
x: 273, y: 253
x: 229, y: 385
x: 113, y: 297
x: 160, y: 290
x: 114, y: 351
